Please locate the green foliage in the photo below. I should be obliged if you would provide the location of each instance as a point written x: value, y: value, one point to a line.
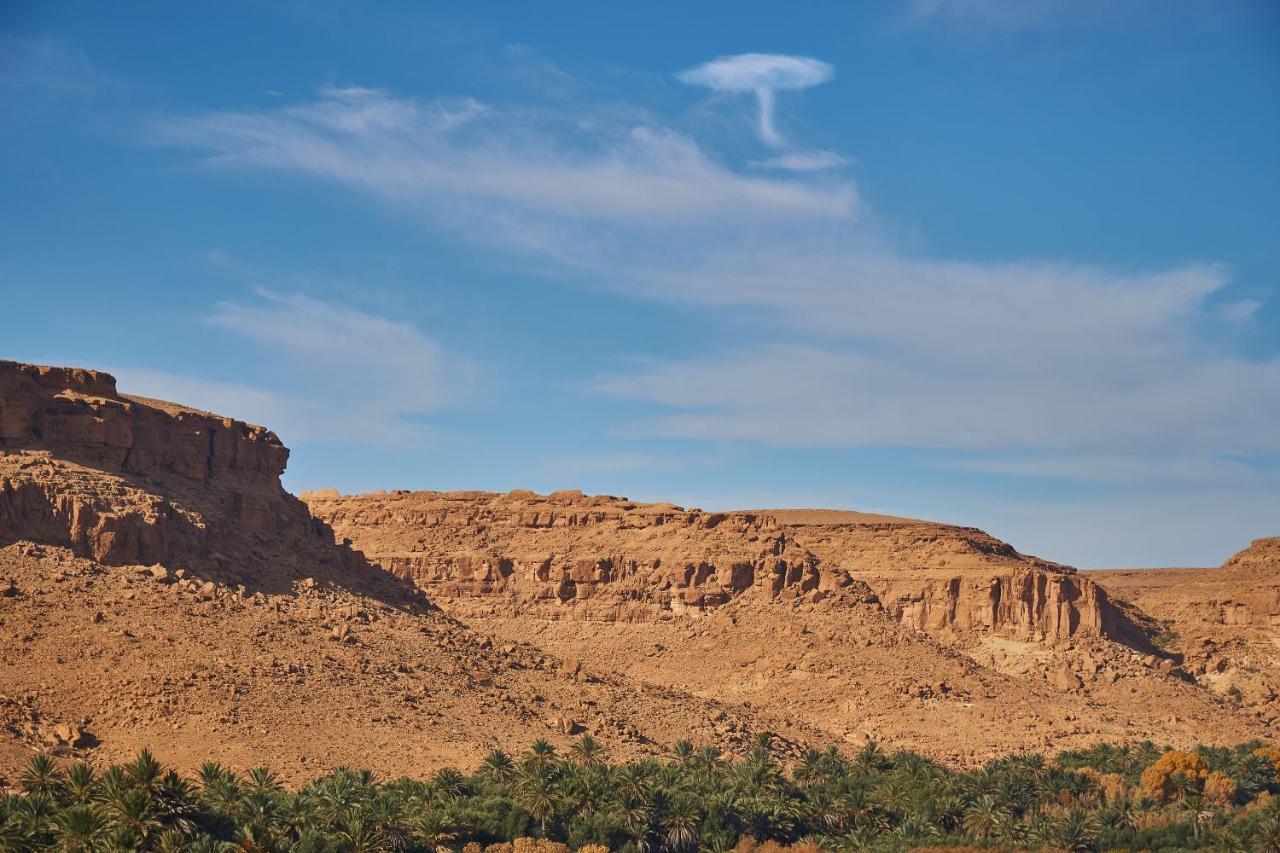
x: 695, y: 799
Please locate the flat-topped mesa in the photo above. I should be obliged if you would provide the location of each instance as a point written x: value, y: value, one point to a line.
x: 126, y: 480
x: 939, y: 577
x: 567, y: 555
x: 79, y: 415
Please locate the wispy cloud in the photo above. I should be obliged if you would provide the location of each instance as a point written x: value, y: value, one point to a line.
x: 814, y: 160
x: 340, y: 374
x: 495, y: 170
x: 763, y: 75
x: 47, y: 66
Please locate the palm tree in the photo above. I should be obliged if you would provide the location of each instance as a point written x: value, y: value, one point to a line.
x: 811, y: 771
x: 357, y: 835
x: 497, y: 767
x: 631, y: 783
x: 134, y: 813
x: 537, y: 794
x: 588, y: 752
x: 541, y: 753
x: 983, y: 817
x: 635, y: 817
x: 680, y: 822
x: 144, y: 771
x: 174, y: 802
x: 449, y: 783
x: 42, y: 776
x: 80, y: 781
x: 81, y: 829
x: 683, y: 752
x: 262, y: 781
x: 434, y: 829
x: 871, y: 757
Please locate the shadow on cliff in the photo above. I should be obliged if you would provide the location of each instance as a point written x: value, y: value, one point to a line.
x: 265, y: 540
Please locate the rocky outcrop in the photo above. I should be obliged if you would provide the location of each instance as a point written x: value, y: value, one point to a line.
x: 1261, y: 557
x: 1251, y: 586
x: 567, y: 555
x: 125, y: 480
x: 1026, y: 602
x: 79, y: 415
x: 948, y: 578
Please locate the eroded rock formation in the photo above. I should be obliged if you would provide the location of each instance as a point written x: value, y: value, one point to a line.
x: 567, y: 555
x: 126, y: 480
x: 941, y: 577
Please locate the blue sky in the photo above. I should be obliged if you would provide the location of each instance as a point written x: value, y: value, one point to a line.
x: 1005, y: 264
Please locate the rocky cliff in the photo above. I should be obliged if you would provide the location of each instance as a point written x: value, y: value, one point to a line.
x: 125, y: 480
x: 941, y: 577
x: 567, y: 555
x: 1250, y: 585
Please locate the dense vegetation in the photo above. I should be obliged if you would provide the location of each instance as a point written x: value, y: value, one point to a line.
x: 1105, y: 798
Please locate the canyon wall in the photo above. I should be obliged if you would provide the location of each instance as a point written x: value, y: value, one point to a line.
x: 567, y: 555
x: 941, y: 577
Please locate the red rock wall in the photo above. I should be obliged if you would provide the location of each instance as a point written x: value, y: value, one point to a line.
x: 572, y: 556
x: 78, y: 414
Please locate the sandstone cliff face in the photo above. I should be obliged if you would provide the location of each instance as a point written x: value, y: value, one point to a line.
x: 126, y: 480
x: 79, y: 415
x: 567, y: 555
x: 938, y: 577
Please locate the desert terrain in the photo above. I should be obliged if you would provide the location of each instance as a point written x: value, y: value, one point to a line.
x: 160, y: 588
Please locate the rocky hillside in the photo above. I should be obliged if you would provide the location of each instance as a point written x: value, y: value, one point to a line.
x: 1261, y: 557
x: 1223, y: 622
x: 913, y: 633
x: 159, y: 587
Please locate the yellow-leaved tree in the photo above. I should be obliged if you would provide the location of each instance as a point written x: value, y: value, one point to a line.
x: 1176, y: 775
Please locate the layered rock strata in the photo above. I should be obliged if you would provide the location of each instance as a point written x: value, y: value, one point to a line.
x: 125, y: 480
x: 939, y: 577
x: 567, y: 555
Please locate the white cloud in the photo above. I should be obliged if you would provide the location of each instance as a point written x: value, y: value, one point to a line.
x: 762, y: 74
x: 498, y: 172
x: 804, y: 161
x: 351, y: 376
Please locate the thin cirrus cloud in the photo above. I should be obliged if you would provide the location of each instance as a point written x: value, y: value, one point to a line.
x: 499, y: 163
x: 898, y: 349
x: 351, y: 376
x: 762, y: 75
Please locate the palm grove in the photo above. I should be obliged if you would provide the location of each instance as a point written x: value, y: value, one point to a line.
x: 1109, y: 797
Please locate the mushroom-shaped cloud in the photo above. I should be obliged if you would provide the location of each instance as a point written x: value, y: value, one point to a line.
x: 763, y: 74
